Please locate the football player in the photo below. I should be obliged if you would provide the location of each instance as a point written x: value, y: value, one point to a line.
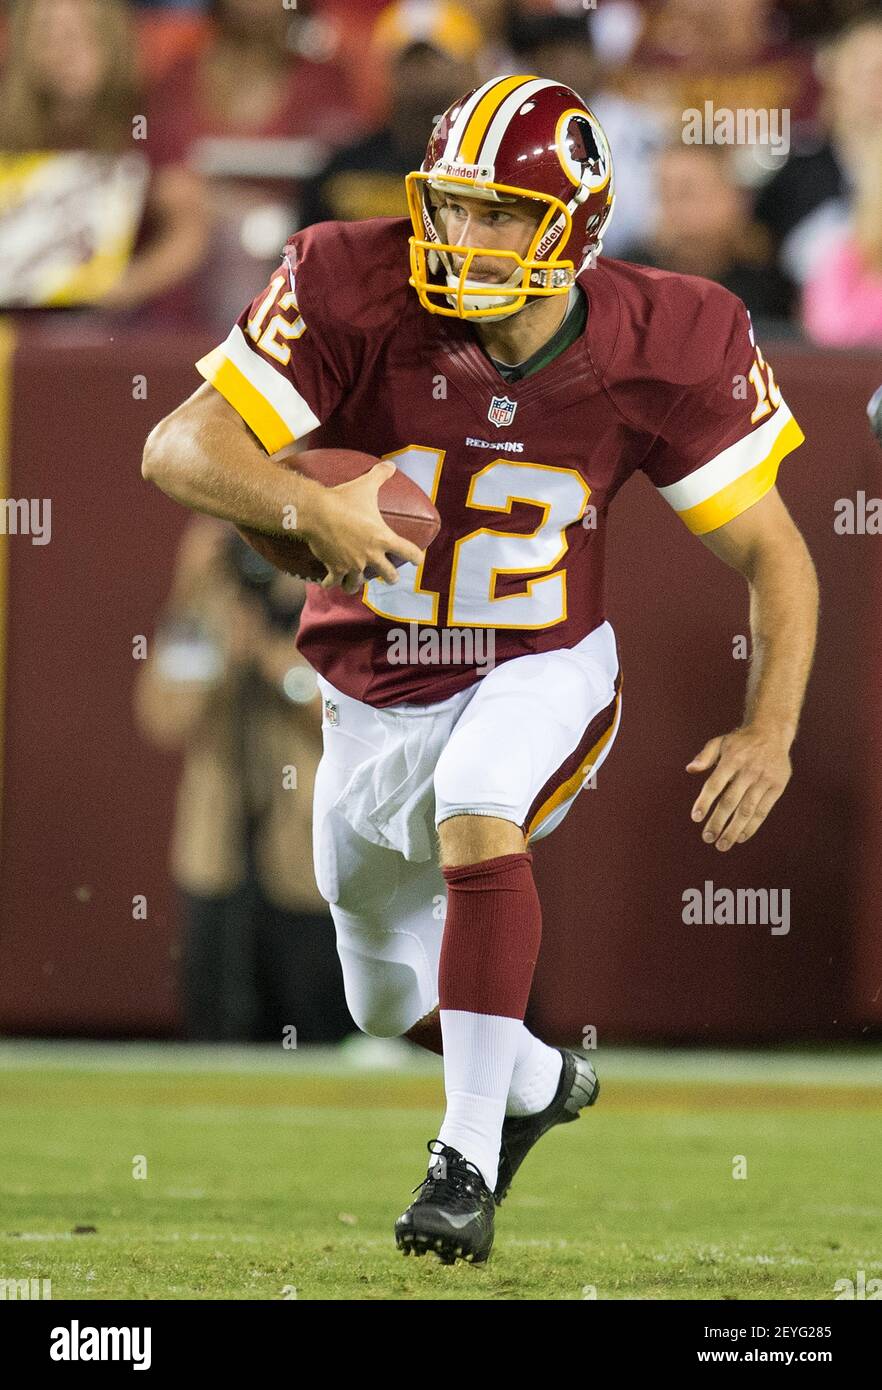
x: 519, y: 380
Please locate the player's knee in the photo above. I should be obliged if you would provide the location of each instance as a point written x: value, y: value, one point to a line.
x: 384, y: 997
x: 476, y: 798
x: 469, y: 839
x: 378, y: 1023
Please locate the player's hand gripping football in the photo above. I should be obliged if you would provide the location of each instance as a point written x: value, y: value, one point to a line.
x: 751, y: 768
x: 347, y: 533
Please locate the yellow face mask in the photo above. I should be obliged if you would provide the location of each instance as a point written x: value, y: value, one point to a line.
x: 459, y: 297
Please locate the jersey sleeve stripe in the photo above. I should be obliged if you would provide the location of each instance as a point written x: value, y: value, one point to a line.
x: 266, y: 400
x: 746, y: 453
x: 737, y: 496
x: 225, y: 377
x: 726, y: 467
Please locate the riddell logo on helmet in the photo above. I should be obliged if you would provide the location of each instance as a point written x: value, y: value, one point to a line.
x: 549, y: 239
x: 446, y: 168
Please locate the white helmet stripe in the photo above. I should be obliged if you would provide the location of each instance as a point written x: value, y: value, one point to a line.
x: 500, y: 123
x: 458, y: 129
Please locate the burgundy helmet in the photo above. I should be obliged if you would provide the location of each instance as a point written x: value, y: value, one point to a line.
x: 515, y: 137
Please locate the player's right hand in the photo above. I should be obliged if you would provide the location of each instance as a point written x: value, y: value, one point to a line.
x: 346, y: 531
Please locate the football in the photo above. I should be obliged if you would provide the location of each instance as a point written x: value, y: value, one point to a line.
x: 404, y: 506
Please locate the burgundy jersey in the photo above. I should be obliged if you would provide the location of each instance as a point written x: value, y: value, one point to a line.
x: 666, y: 378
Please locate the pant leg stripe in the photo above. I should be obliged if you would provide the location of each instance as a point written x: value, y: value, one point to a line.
x: 566, y: 781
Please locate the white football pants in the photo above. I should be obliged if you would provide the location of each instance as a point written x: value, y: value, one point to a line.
x: 520, y: 744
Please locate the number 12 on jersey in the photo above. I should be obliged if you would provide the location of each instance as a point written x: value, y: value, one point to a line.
x: 486, y: 552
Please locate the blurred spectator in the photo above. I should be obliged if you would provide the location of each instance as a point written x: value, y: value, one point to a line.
x: 703, y: 228
x: 353, y: 22
x: 559, y: 47
x: 554, y: 45
x: 733, y: 53
x: 842, y: 305
x: 263, y: 71
x: 806, y: 206
x: 616, y: 29
x: 258, y: 108
x: 91, y: 214
x: 431, y: 50
x: 491, y: 16
x: 225, y: 685
x: 167, y: 36
x: 812, y: 19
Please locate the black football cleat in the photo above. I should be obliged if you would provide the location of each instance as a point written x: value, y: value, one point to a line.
x: 453, y: 1215
x: 578, y: 1088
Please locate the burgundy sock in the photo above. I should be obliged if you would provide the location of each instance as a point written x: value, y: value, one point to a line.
x: 491, y: 938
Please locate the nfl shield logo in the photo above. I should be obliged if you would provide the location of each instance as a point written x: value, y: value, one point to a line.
x: 332, y: 713
x: 501, y: 412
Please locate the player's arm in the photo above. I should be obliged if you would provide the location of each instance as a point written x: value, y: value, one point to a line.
x: 715, y: 461
x: 288, y: 363
x: 204, y: 456
x: 750, y: 767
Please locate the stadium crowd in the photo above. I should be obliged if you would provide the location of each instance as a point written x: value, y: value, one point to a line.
x: 156, y: 156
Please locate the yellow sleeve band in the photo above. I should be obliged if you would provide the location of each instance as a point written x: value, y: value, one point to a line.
x: 245, y: 399
x: 737, y: 496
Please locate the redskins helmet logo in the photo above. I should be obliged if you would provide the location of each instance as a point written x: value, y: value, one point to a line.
x: 583, y: 151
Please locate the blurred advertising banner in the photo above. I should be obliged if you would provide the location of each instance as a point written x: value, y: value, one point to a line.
x: 68, y: 225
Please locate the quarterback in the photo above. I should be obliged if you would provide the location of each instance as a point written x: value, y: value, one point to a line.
x: 487, y: 349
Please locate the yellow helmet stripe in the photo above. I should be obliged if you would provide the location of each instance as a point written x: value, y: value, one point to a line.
x: 484, y: 112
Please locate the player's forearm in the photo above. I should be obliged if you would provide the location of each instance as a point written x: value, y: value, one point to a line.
x: 212, y: 467
x: 783, y: 621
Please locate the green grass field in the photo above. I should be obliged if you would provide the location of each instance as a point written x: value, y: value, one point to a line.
x: 272, y: 1175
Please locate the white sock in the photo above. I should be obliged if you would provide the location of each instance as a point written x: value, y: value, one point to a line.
x: 479, y: 1057
x: 535, y: 1077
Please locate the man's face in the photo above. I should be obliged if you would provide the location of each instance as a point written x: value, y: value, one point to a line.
x: 856, y: 81
x: 64, y: 48
x: 468, y: 221
x: 707, y: 31
x: 696, y: 201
